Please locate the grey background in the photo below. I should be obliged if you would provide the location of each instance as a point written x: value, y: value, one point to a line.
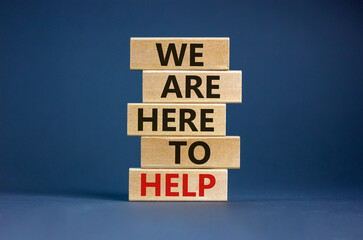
x: 65, y: 84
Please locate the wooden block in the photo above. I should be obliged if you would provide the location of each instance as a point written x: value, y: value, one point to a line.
x: 177, y: 185
x: 176, y: 119
x: 179, y: 53
x: 190, y: 152
x: 192, y: 86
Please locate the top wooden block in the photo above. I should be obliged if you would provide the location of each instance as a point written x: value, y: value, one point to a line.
x: 179, y: 53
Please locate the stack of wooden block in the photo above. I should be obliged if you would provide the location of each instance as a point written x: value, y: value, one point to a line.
x: 185, y: 152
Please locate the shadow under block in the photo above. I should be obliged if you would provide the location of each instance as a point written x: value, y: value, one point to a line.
x: 177, y: 184
x: 146, y: 119
x: 179, y: 53
x: 192, y: 86
x: 190, y: 152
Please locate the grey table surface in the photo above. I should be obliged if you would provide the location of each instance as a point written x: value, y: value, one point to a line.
x: 73, y: 217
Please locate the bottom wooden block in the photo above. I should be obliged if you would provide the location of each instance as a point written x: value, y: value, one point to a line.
x: 177, y: 184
